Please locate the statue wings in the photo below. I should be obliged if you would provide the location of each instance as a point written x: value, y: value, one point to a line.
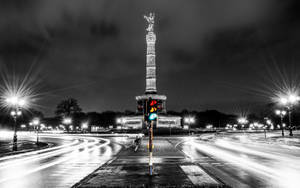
x: 150, y: 20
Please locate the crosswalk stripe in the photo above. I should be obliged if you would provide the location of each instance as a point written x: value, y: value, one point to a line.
x: 198, y: 176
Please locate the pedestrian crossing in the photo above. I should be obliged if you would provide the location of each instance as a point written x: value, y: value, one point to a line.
x: 198, y: 176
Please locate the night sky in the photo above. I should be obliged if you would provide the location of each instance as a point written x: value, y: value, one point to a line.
x: 226, y: 55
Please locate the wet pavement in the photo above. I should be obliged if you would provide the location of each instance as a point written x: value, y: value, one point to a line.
x: 222, y: 160
x: 230, y: 160
x: 73, y: 158
x: 239, y: 161
x: 130, y: 169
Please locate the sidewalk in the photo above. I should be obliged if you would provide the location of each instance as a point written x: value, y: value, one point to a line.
x: 130, y: 169
x: 275, y: 137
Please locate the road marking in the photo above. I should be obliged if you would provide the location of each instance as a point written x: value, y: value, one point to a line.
x: 198, y: 176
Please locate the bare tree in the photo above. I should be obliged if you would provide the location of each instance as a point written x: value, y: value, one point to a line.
x: 67, y: 107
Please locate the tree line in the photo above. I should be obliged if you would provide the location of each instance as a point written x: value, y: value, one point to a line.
x: 71, y: 109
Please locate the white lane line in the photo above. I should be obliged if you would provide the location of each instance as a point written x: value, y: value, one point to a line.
x: 198, y: 176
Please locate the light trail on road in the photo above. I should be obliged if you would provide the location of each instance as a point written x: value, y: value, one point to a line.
x: 37, y: 152
x: 59, y: 166
x: 246, y: 162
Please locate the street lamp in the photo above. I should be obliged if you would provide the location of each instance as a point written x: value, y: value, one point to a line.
x: 289, y: 101
x: 269, y: 122
x: 189, y: 120
x: 281, y: 113
x: 36, y: 123
x: 121, y: 121
x: 242, y: 121
x: 84, y: 126
x: 16, y: 103
x: 67, y: 121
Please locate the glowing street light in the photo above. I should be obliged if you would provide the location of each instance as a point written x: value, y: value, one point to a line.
x: 16, y: 103
x: 209, y: 126
x: 269, y: 122
x: 67, y: 121
x: 84, y: 126
x: 242, y: 120
x: 121, y: 121
x: 228, y: 126
x: 189, y: 120
x: 289, y: 101
x: 17, y: 94
x: 281, y: 113
x: 36, y: 121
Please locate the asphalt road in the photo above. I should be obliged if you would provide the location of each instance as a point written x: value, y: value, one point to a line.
x: 244, y: 160
x: 70, y: 160
x: 236, y: 160
x: 131, y: 169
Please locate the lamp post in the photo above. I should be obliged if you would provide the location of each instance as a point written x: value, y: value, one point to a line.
x: 84, y: 126
x: 121, y: 121
x: 289, y: 101
x: 269, y: 125
x: 36, y: 123
x: 242, y: 121
x: 189, y: 120
x: 281, y: 113
x: 67, y: 121
x: 16, y: 103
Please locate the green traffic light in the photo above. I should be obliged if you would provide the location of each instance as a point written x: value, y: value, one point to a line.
x: 152, y: 116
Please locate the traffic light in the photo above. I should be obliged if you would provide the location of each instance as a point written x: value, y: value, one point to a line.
x: 152, y: 109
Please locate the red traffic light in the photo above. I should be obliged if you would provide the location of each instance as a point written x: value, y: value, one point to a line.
x: 153, y: 102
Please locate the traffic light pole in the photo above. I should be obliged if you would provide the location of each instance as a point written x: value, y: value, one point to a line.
x: 151, y: 148
x: 150, y: 115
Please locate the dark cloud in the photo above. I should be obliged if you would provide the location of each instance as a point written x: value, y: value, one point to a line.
x: 95, y: 50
